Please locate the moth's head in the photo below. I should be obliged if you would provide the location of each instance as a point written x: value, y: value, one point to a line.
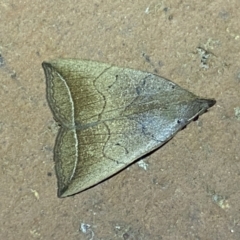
x: 195, y: 109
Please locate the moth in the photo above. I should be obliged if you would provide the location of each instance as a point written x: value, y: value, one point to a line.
x: 109, y: 117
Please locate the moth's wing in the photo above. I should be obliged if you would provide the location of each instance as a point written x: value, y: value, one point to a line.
x: 120, y: 114
x: 62, y: 95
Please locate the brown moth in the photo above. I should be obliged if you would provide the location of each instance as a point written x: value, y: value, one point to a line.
x: 109, y: 117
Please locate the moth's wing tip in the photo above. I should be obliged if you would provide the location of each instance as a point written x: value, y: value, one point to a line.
x: 45, y: 64
x: 47, y: 67
x: 63, y: 187
x: 62, y: 192
x: 68, y: 190
x: 59, y: 195
x: 206, y: 103
x: 210, y: 102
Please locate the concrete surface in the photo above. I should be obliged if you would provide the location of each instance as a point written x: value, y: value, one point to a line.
x: 191, y: 186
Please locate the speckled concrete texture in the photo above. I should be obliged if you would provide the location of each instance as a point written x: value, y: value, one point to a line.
x: 190, y: 188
